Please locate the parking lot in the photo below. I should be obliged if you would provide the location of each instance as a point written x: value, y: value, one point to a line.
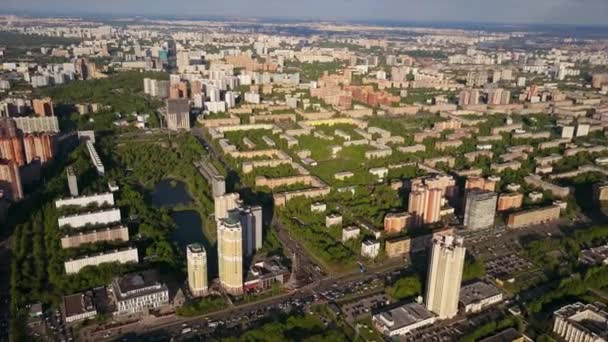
x: 507, y: 266
x: 364, y: 306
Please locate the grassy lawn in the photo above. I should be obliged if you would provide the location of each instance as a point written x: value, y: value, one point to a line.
x: 256, y: 135
x: 319, y: 148
x: 367, y: 331
x: 351, y: 158
x: 201, y: 306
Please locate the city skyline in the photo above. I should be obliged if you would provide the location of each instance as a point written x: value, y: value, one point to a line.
x: 280, y: 179
x: 585, y: 13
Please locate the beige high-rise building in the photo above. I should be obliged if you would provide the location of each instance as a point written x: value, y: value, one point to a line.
x: 183, y: 60
x: 417, y: 206
x: 10, y: 180
x: 43, y: 107
x: 197, y: 269
x: 425, y: 205
x: 444, y: 276
x: 230, y: 253
x: 446, y: 183
x: 435, y: 199
x: 223, y: 204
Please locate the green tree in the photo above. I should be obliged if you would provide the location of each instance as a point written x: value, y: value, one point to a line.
x: 405, y: 287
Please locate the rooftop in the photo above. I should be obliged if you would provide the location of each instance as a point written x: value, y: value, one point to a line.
x: 196, y: 248
x: 477, y: 291
x: 595, y: 256
x: 370, y: 242
x: 78, y: 303
x: 587, y: 317
x: 267, y: 268
x: 404, y: 315
x: 137, y: 284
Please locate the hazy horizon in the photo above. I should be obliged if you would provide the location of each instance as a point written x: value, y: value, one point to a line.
x: 542, y: 12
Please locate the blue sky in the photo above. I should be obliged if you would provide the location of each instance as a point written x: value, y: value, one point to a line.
x: 581, y: 12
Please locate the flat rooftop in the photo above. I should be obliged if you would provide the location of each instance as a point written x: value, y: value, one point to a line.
x: 476, y: 292
x: 77, y: 304
x: 196, y: 248
x: 137, y: 284
x: 406, y: 315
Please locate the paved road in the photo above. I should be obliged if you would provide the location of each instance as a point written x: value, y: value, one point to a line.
x: 200, y: 135
x: 174, y: 323
x: 306, y: 266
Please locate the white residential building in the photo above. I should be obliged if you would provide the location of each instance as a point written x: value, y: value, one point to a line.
x: 103, y: 217
x: 119, y: 256
x: 370, y: 249
x: 83, y: 201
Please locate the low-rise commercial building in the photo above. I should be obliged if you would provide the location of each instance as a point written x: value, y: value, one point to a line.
x: 263, y: 275
x: 477, y: 296
x: 402, y: 320
x: 138, y: 292
x: 78, y: 307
